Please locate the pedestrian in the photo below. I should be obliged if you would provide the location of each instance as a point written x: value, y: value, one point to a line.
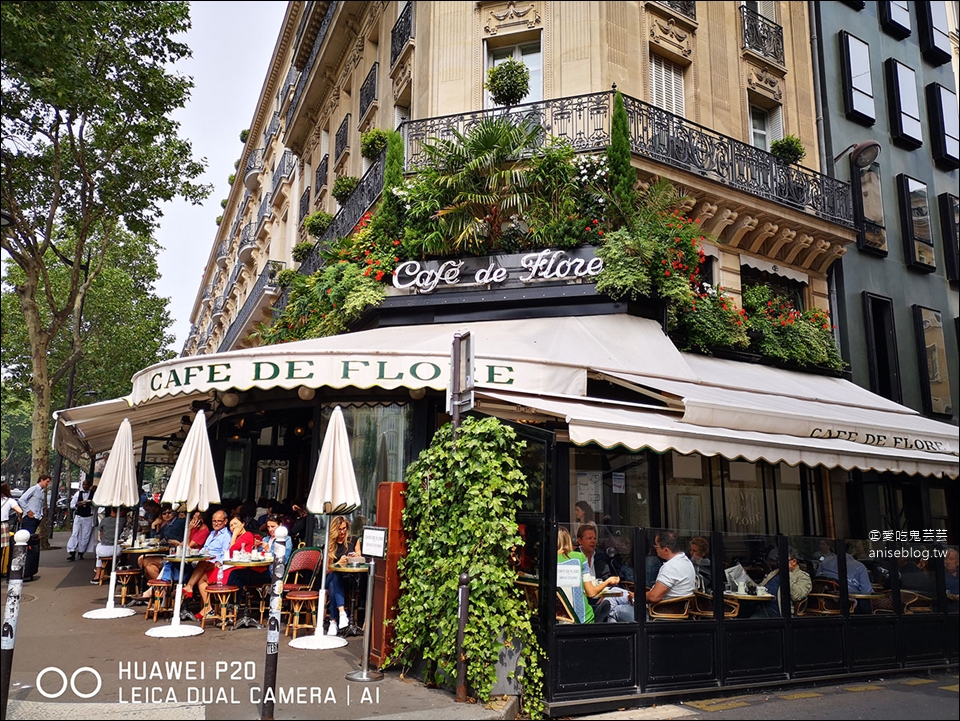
x: 8, y: 504
x: 32, y: 503
x: 82, y: 505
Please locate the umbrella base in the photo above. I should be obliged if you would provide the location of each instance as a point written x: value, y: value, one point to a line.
x: 318, y: 642
x: 364, y: 676
x: 107, y: 613
x: 173, y: 631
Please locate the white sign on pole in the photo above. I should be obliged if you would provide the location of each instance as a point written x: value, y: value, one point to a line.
x: 374, y: 542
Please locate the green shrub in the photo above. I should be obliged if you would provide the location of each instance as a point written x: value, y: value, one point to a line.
x: 508, y: 82
x: 236, y: 164
x: 219, y: 219
x: 343, y: 187
x: 223, y: 203
x: 302, y: 251
x: 372, y: 143
x: 623, y: 178
x: 231, y: 178
x: 286, y: 277
x: 788, y: 149
x: 316, y: 223
x: 244, y: 134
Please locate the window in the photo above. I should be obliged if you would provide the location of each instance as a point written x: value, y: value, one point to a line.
x: 895, y: 18
x: 530, y: 55
x: 915, y: 221
x: 932, y: 359
x: 934, y: 32
x: 882, y: 347
x: 950, y: 232
x: 782, y: 286
x: 868, y: 208
x: 944, y: 126
x: 857, y: 79
x: 763, y: 8
x: 666, y: 85
x: 904, y: 105
x: 765, y: 126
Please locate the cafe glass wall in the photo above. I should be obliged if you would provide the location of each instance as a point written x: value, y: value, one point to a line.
x: 609, y: 487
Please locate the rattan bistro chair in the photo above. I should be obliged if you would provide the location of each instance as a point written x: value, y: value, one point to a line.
x: 672, y: 608
x: 702, y: 606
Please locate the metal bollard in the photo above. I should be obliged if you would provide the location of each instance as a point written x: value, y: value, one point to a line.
x: 365, y: 674
x: 463, y: 607
x: 8, y: 634
x: 278, y: 570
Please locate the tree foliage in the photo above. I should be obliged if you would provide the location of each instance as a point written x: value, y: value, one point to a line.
x: 89, y: 153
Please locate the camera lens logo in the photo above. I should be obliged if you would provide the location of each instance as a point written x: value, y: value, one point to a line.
x: 71, y: 682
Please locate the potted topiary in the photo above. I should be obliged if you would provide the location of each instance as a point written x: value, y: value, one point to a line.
x: 231, y: 178
x: 788, y: 149
x: 343, y: 187
x: 219, y: 219
x: 508, y: 82
x: 223, y: 202
x: 244, y: 134
x: 372, y: 143
x: 302, y: 251
x: 286, y: 277
x: 316, y: 223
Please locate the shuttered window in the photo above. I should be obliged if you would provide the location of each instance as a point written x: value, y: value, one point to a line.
x: 666, y: 85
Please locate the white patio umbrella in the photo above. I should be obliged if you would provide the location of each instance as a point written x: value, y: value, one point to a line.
x: 334, y: 492
x: 192, y: 485
x: 117, y: 487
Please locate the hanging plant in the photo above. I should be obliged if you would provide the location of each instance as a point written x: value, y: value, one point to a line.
x: 462, y: 500
x: 508, y: 82
x: 372, y: 143
x: 343, y: 187
x: 302, y: 251
x: 788, y: 149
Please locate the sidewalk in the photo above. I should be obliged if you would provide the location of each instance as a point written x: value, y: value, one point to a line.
x: 147, y: 678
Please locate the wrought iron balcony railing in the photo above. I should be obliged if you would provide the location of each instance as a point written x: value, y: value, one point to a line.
x: 253, y: 169
x: 272, y: 129
x: 366, y: 194
x: 304, y: 204
x: 265, y: 211
x: 368, y: 91
x: 320, y: 181
x: 265, y: 283
x: 222, y: 252
x: 584, y: 121
x: 283, y: 170
x: 342, y: 137
x: 687, y: 8
x: 761, y: 35
x: 402, y: 32
x: 305, y: 75
x: 248, y: 243
x: 207, y: 294
x: 218, y: 306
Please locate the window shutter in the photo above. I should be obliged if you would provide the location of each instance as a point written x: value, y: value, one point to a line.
x: 666, y: 85
x: 775, y: 128
x: 768, y: 9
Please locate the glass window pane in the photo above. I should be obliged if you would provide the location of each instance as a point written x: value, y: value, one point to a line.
x: 900, y: 14
x: 920, y: 211
x: 860, y: 65
x: 935, y: 371
x: 907, y: 81
x: 609, y: 487
x: 871, y: 193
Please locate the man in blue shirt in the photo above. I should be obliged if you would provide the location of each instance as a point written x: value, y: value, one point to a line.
x: 32, y: 504
x: 858, y: 577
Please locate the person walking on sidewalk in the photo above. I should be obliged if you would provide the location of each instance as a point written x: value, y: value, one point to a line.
x: 32, y: 504
x: 82, y: 505
x: 8, y: 507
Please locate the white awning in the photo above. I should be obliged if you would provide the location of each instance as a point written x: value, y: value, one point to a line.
x: 611, y: 424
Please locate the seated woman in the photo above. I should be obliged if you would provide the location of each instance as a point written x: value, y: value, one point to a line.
x: 589, y: 586
x: 337, y: 553
x: 267, y: 546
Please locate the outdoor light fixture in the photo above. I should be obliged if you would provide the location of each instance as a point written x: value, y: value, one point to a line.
x: 418, y: 393
x: 230, y: 400
x: 863, y: 155
x: 306, y: 394
x: 6, y: 220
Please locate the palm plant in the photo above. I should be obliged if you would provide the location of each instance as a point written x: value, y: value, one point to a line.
x: 484, y: 172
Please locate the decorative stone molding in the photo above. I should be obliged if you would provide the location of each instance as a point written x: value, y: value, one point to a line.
x: 758, y: 236
x: 720, y: 221
x: 510, y: 18
x: 804, y: 241
x: 835, y: 252
x: 818, y: 248
x: 744, y: 224
x: 704, y: 211
x: 783, y: 237
x: 675, y: 40
x: 765, y: 81
x: 402, y: 75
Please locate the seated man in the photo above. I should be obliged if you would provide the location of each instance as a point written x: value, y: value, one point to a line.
x: 858, y: 577
x: 800, y: 586
x: 676, y: 578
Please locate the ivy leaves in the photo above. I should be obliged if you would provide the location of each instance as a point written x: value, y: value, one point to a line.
x: 460, y: 515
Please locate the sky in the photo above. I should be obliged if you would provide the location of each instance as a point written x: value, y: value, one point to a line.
x: 232, y: 43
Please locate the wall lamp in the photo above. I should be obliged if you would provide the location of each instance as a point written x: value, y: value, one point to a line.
x: 230, y: 399
x: 863, y: 155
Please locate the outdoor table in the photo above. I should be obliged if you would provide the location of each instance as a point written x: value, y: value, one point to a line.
x: 353, y: 629
x: 247, y: 620
x: 146, y: 550
x: 748, y: 597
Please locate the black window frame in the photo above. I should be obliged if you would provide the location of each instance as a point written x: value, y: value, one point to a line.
x: 852, y: 113
x: 945, y: 154
x: 857, y: 5
x: 882, y: 379
x: 863, y: 223
x: 908, y: 226
x: 891, y: 16
x: 898, y: 131
x: 923, y: 370
x: 949, y: 207
x: 934, y: 40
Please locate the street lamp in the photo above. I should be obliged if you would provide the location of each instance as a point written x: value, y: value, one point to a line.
x: 864, y: 153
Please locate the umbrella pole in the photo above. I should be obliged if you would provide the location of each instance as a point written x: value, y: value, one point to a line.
x: 113, y: 563
x: 322, y: 599
x: 177, y: 599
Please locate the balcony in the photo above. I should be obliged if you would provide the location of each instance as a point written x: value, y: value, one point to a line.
x: 401, y: 34
x: 341, y: 144
x: 223, y: 253
x: 218, y: 306
x: 251, y: 176
x: 304, y: 205
x: 761, y: 35
x: 271, y: 130
x: 264, y: 213
x: 368, y: 93
x: 687, y: 8
x: 207, y: 294
x: 256, y: 307
x: 306, y: 65
x: 248, y: 243
x: 320, y: 181
x: 662, y: 141
x: 283, y: 172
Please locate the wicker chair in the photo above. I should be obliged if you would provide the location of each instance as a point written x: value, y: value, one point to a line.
x: 672, y: 608
x: 702, y: 606
x: 914, y: 602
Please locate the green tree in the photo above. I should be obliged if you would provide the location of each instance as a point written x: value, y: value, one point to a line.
x: 14, y: 437
x: 89, y: 150
x: 623, y: 178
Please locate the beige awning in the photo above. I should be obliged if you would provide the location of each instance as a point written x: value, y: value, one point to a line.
x: 610, y: 424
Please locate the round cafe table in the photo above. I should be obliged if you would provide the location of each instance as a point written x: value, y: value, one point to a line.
x: 353, y: 629
x: 247, y: 620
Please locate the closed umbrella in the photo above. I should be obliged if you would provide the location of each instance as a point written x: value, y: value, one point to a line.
x: 193, y: 485
x: 117, y: 487
x: 334, y: 492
